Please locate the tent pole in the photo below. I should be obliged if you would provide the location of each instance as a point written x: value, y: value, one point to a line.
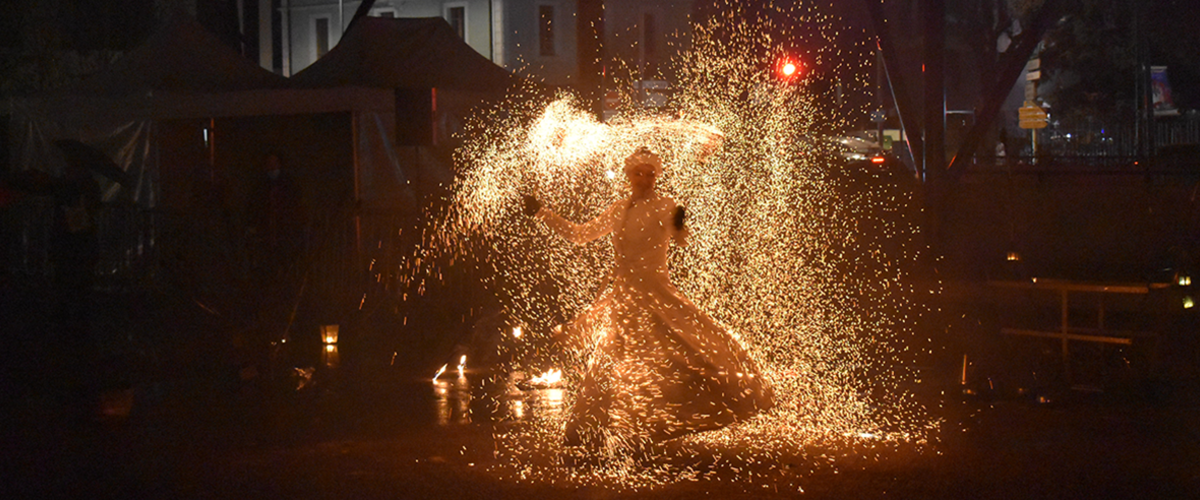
x: 212, y: 147
x: 357, y: 197
x: 286, y: 38
x: 241, y: 17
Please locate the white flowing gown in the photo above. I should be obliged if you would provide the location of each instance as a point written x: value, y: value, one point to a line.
x: 661, y: 367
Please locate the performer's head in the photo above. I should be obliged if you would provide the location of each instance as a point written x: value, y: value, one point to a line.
x: 643, y: 168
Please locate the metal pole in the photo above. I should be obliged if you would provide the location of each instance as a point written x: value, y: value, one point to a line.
x: 906, y: 111
x: 357, y: 197
x: 241, y: 16
x: 286, y: 29
x: 934, y: 105
x: 1066, y: 350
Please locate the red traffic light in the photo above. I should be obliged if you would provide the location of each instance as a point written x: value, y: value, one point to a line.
x: 787, y: 68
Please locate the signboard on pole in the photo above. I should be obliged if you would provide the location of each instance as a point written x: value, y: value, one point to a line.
x: 1164, y: 105
x: 1032, y: 116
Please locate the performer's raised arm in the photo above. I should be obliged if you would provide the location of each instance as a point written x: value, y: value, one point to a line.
x: 707, y: 138
x: 570, y: 231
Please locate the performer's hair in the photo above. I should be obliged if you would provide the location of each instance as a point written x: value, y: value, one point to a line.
x: 645, y: 156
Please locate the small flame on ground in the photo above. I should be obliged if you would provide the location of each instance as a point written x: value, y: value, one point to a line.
x: 550, y: 378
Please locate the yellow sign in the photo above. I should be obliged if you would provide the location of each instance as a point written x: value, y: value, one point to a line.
x: 1032, y: 116
x: 1031, y: 124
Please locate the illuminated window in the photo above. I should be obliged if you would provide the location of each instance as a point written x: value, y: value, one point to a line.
x: 650, y: 43
x: 546, y: 30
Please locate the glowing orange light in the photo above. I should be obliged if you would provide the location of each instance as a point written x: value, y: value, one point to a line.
x: 330, y: 355
x: 878, y: 160
x: 788, y: 69
x: 551, y: 378
x: 329, y: 333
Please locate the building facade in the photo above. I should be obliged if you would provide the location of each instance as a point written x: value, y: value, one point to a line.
x: 540, y: 39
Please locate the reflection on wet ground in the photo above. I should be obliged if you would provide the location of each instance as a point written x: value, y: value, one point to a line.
x: 407, y: 436
x: 453, y: 399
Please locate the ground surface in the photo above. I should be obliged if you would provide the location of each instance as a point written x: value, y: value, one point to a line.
x: 383, y: 432
x: 388, y: 444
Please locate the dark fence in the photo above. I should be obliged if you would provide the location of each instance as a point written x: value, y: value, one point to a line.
x: 1121, y: 149
x: 128, y: 243
x: 204, y: 254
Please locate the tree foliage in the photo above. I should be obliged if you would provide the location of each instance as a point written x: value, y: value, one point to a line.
x: 1091, y: 59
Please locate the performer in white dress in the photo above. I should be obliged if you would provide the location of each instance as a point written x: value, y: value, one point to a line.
x: 660, y: 367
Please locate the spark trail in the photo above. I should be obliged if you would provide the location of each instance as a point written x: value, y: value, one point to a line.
x: 816, y: 288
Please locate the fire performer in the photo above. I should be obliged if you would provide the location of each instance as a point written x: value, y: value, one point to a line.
x: 660, y: 367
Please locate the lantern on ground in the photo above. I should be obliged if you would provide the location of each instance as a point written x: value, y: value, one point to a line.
x: 329, y: 334
x: 329, y: 355
x: 329, y: 348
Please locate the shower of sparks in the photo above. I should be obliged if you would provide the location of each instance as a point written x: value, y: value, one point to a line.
x: 805, y: 274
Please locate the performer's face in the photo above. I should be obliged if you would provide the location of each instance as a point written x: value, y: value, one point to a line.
x: 641, y: 177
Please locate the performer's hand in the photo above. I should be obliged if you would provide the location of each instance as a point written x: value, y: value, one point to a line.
x: 679, y: 216
x: 532, y: 206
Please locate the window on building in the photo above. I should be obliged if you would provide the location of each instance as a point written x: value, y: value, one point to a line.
x: 321, y: 26
x: 649, y: 44
x: 546, y: 30
x: 390, y: 13
x: 457, y: 17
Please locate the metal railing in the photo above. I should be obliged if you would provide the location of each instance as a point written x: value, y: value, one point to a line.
x: 1101, y: 150
x: 126, y: 243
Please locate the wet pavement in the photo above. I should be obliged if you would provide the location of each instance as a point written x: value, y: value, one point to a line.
x: 184, y: 430
x: 406, y: 437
